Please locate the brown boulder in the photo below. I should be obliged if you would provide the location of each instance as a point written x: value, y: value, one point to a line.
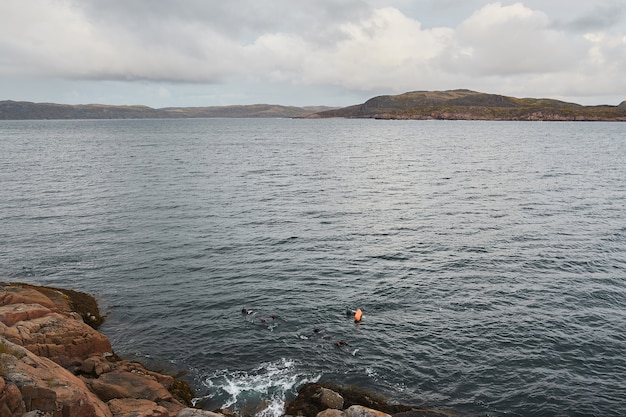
x: 12, y: 294
x: 94, y: 365
x: 329, y: 398
x: 132, y: 407
x: 11, y: 404
x: 46, y: 386
x: 51, y: 335
x: 10, y: 314
x: 45, y: 343
x: 330, y: 412
x: 78, y: 304
x: 360, y: 411
x: 123, y: 384
x: 173, y: 407
x: 137, y: 368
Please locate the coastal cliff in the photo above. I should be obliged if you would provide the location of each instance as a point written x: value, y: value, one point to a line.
x: 54, y: 363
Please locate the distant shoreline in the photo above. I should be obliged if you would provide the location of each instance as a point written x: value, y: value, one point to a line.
x: 23, y: 110
x: 416, y: 105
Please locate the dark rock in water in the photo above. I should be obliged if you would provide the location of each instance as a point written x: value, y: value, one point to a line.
x: 357, y: 396
x: 182, y: 391
x: 308, y: 403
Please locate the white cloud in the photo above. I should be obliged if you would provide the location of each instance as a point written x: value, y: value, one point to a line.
x: 385, y: 49
x: 39, y: 39
x: 355, y: 45
x: 508, y: 40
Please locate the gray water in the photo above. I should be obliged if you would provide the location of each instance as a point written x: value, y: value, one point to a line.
x: 489, y: 258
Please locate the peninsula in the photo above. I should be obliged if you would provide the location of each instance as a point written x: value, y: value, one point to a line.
x: 472, y: 105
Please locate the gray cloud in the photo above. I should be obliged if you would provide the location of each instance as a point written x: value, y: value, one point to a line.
x: 600, y: 17
x: 243, y: 20
x: 508, y: 40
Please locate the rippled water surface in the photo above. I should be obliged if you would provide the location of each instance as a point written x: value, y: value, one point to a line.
x: 489, y: 258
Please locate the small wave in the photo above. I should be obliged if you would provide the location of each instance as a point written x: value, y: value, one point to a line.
x: 390, y: 257
x: 261, y: 392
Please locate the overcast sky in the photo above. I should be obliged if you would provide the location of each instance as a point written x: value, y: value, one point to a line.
x: 299, y: 52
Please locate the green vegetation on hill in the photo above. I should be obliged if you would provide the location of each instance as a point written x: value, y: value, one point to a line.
x: 472, y: 105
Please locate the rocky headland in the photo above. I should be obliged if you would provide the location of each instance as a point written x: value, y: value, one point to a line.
x: 473, y: 105
x: 55, y: 363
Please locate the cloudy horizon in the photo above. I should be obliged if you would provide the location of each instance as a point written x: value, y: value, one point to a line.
x: 164, y: 53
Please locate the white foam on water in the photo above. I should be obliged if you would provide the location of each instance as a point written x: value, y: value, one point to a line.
x: 369, y: 371
x: 261, y: 391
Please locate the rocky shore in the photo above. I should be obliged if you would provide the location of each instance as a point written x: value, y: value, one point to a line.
x: 54, y: 363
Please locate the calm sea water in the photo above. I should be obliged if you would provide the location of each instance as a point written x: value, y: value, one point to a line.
x: 489, y: 258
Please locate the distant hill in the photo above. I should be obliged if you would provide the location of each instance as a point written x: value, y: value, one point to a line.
x: 253, y: 110
x: 23, y: 110
x: 419, y: 105
x: 472, y: 105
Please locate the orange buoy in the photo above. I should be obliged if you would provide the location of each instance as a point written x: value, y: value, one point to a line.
x: 358, y: 314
